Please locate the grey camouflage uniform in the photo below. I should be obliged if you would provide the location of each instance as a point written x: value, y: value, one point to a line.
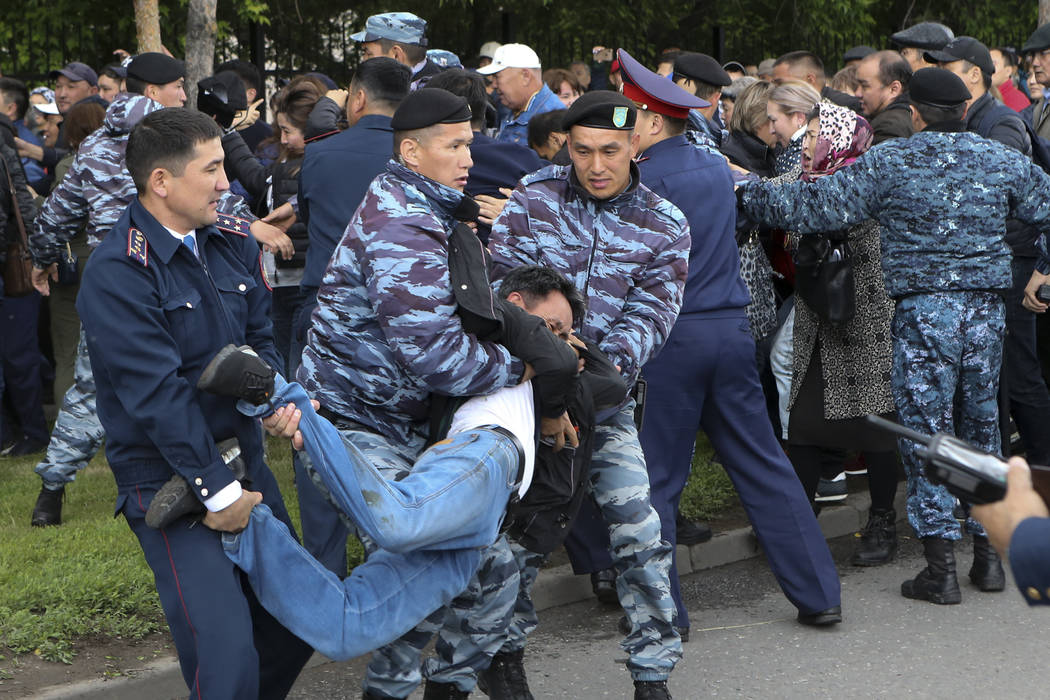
x: 942, y: 198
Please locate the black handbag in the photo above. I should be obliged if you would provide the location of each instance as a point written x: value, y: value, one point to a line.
x: 68, y: 269
x: 824, y: 277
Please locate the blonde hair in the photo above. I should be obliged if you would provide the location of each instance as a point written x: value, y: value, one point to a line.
x: 795, y: 96
x: 749, y: 110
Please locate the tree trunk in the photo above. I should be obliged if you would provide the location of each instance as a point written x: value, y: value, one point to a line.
x: 201, y: 30
x: 1044, y: 12
x: 147, y: 26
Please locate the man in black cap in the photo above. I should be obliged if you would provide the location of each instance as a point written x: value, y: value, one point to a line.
x: 942, y: 197
x: 856, y: 54
x: 1037, y: 48
x: 807, y: 67
x: 76, y: 82
x: 596, y: 224
x: 1022, y: 379
x: 883, y: 77
x: 699, y: 74
x: 918, y: 38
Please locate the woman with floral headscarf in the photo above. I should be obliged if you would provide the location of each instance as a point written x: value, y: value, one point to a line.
x: 841, y: 372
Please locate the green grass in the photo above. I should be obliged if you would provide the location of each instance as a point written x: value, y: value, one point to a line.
x: 62, y: 586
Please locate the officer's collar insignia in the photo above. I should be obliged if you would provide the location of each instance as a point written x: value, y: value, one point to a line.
x: 138, y: 248
x: 619, y: 117
x: 233, y: 224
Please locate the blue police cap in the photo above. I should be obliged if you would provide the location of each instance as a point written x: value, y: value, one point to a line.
x: 404, y: 27
x: 654, y: 92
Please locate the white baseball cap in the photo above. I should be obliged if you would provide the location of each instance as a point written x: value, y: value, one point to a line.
x: 489, y: 49
x: 511, y: 56
x: 46, y: 108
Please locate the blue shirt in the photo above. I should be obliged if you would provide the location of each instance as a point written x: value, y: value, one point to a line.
x: 699, y: 183
x: 335, y: 176
x: 515, y: 129
x: 154, y: 315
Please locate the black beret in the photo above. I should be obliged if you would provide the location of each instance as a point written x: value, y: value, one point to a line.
x: 227, y: 87
x: 1039, y: 40
x: 156, y: 68
x: 937, y: 87
x: 700, y: 66
x: 429, y: 106
x: 601, y: 109
x: 924, y: 35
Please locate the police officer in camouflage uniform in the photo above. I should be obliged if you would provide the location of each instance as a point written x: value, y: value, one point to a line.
x: 942, y: 197
x: 385, y: 336
x: 400, y: 36
x: 627, y: 249
x: 96, y: 191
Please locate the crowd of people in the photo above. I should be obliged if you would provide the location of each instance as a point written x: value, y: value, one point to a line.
x: 492, y: 305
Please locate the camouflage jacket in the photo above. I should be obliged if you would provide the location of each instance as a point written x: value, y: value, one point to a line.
x: 98, y: 188
x: 942, y: 198
x: 385, y: 334
x: 627, y: 254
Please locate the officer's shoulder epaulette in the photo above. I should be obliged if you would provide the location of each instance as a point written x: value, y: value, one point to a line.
x: 138, y: 248
x: 550, y: 172
x: 233, y: 224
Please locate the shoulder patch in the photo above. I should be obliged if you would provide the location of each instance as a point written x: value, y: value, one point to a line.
x: 138, y: 248
x: 233, y: 224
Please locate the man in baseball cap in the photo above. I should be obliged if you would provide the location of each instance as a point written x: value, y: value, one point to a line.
x: 515, y: 70
x: 75, y: 82
x: 400, y: 36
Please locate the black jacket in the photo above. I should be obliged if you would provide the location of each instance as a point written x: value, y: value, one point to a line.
x: 749, y: 152
x: 241, y: 164
x: 841, y: 99
x: 892, y: 122
x: 12, y: 165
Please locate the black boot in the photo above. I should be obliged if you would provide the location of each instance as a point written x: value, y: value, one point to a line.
x: 48, y: 508
x: 987, y: 570
x: 240, y: 373
x: 176, y: 499
x: 651, y: 690
x: 878, y: 539
x: 505, y: 679
x: 690, y: 532
x: 936, y: 583
x: 443, y: 691
x: 603, y: 583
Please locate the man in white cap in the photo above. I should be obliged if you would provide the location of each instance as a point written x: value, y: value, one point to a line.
x: 516, y: 71
x: 487, y: 53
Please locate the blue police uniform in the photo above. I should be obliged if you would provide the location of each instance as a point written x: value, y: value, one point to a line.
x: 705, y: 377
x: 329, y: 193
x: 1029, y: 560
x: 154, y: 315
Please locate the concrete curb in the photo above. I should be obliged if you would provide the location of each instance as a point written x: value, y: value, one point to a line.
x: 554, y: 587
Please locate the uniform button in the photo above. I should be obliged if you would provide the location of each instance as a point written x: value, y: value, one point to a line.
x: 204, y: 492
x: 189, y: 305
x: 462, y: 286
x: 198, y: 481
x: 1032, y: 593
x: 242, y: 286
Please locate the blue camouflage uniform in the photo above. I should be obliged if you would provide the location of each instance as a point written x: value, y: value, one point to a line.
x: 705, y: 377
x: 385, y: 336
x: 515, y: 128
x: 942, y: 198
x: 96, y: 191
x: 154, y: 316
x: 629, y: 255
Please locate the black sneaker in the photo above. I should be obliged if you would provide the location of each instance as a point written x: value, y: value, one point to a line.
x: 24, y: 447
x: 651, y: 690
x: 174, y: 500
x: 831, y: 490
x: 603, y: 583
x: 240, y: 373
x: 822, y: 618
x: 690, y: 532
x: 48, y: 508
x: 505, y: 677
x: 434, y: 690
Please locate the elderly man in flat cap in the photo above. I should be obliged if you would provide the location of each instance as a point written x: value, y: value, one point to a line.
x: 919, y: 38
x: 596, y: 224
x: 942, y: 197
x: 1037, y: 48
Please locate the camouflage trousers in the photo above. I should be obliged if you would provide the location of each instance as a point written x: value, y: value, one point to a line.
x: 470, y: 629
x: 77, y: 435
x: 947, y: 354
x: 619, y: 485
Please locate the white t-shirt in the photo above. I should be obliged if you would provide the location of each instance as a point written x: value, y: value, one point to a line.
x: 512, y: 408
